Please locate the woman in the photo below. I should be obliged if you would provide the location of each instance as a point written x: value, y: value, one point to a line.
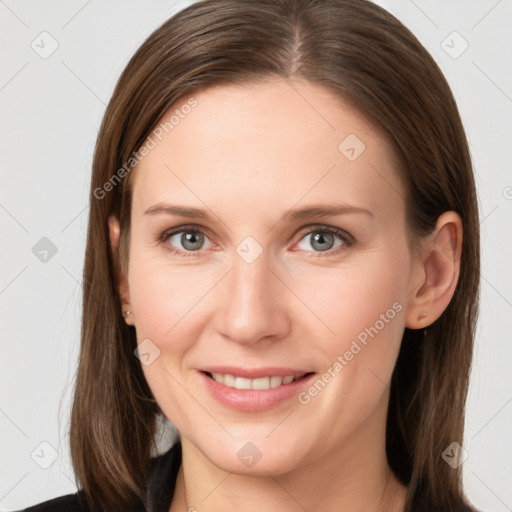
x: 283, y: 261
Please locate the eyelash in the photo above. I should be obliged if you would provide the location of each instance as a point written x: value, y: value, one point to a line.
x: 347, y: 239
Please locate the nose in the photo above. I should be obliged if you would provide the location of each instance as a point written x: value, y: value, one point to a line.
x: 253, y: 303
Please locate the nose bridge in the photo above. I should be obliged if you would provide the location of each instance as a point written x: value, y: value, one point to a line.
x: 253, y: 306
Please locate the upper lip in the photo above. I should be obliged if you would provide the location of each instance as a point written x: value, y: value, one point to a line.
x: 256, y: 373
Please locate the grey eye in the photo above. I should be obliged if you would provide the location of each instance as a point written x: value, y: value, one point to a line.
x: 189, y: 240
x: 320, y: 241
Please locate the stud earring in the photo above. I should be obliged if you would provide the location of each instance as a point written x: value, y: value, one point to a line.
x: 126, y: 310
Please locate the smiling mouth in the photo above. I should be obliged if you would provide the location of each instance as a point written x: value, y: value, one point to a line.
x: 261, y: 383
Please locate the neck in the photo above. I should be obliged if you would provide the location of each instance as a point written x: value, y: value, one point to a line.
x: 354, y: 476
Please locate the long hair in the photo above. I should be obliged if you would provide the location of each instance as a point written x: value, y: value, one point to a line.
x: 368, y: 58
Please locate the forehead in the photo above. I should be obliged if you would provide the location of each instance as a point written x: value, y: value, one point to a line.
x: 266, y: 143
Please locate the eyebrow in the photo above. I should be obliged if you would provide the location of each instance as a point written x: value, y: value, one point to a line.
x: 294, y: 214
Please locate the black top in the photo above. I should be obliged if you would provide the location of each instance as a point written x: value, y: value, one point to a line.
x: 161, y: 481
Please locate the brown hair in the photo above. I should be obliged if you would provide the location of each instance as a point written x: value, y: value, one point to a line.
x: 367, y: 57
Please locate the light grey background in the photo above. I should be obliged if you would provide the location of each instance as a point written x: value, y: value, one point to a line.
x: 50, y: 110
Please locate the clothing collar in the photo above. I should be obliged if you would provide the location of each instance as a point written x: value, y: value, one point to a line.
x: 162, y: 479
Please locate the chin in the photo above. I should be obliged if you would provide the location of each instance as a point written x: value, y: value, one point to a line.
x: 256, y: 458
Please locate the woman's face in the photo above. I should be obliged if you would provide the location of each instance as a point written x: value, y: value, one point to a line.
x: 268, y: 241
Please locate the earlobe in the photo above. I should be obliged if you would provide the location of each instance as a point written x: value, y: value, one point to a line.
x: 121, y: 280
x: 436, y: 276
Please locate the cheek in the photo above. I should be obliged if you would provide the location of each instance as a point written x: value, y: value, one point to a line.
x: 364, y: 309
x: 370, y: 308
x: 360, y: 302
x: 163, y: 296
x: 168, y: 305
x: 166, y: 302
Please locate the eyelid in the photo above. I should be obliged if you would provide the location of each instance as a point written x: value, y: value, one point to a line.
x: 186, y: 227
x: 324, y: 227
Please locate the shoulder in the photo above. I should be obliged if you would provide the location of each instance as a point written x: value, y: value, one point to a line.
x: 69, y: 503
x: 160, y: 483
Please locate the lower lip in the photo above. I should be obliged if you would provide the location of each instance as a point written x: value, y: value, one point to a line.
x: 254, y: 399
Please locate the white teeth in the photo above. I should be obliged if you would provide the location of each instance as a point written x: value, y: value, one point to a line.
x: 229, y: 380
x: 260, y: 383
x: 218, y: 377
x: 275, y: 381
x: 242, y: 383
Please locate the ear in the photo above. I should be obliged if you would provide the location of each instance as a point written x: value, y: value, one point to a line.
x: 121, y: 279
x: 436, y: 273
